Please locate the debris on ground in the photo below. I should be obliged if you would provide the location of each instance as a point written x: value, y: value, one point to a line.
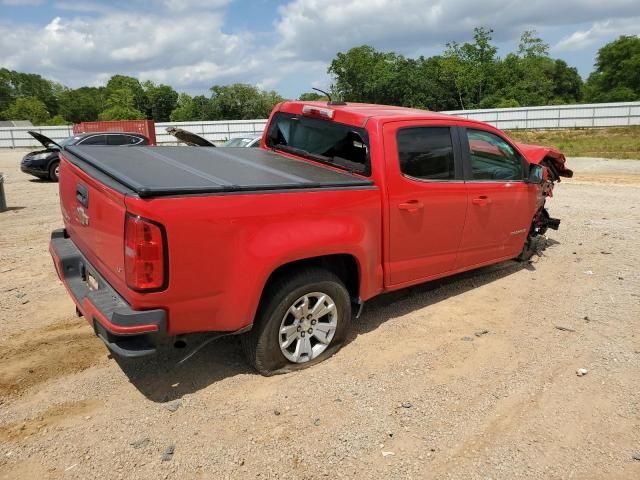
x: 140, y: 443
x: 564, y: 329
x: 173, y: 406
x: 581, y: 372
x: 168, y: 453
x: 479, y: 333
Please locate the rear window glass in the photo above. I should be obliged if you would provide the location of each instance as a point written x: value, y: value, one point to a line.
x: 334, y: 143
x: 426, y: 153
x: 94, y: 140
x: 115, y: 139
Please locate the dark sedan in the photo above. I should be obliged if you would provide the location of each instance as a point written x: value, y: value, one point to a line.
x: 45, y: 163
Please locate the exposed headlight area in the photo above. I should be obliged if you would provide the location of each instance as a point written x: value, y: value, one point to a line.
x: 38, y: 156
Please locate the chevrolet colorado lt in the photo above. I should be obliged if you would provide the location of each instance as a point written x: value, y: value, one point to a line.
x: 283, y: 243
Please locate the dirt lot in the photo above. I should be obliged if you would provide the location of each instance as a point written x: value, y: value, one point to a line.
x: 418, y: 392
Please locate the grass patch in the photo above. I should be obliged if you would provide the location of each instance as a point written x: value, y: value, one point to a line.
x: 614, y: 142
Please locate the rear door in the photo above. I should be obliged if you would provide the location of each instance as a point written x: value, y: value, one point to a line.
x: 500, y: 203
x: 427, y: 200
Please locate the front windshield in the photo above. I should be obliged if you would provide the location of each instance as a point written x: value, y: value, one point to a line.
x: 330, y: 142
x: 238, y: 142
x: 68, y: 141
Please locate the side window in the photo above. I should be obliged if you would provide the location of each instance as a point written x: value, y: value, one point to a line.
x: 117, y: 139
x: 138, y: 141
x: 94, y: 140
x: 426, y: 153
x: 492, y: 158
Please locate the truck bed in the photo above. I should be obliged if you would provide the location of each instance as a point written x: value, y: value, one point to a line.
x: 169, y: 171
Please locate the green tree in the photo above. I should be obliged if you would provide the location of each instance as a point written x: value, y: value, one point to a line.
x: 161, y: 100
x: 240, y: 101
x: 117, y: 83
x: 57, y: 120
x: 119, y: 112
x: 617, y: 73
x: 470, y: 67
x: 83, y: 104
x: 567, y: 83
x: 17, y: 84
x: 531, y: 77
x: 27, y: 108
x: 311, y: 97
x: 184, y: 110
x: 363, y: 74
x: 121, y: 106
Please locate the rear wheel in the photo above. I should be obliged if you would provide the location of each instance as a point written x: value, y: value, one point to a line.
x: 303, y: 319
x: 54, y: 171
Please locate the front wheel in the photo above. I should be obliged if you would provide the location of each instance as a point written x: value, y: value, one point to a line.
x: 54, y: 171
x: 303, y: 319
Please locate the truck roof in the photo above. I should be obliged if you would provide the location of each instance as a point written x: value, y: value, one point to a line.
x: 360, y: 113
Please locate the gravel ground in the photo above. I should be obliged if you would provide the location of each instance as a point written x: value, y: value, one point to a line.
x: 469, y: 377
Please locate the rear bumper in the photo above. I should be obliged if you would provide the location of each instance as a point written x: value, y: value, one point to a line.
x: 126, y: 332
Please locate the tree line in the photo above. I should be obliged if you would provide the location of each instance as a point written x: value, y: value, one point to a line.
x: 465, y: 76
x: 471, y: 75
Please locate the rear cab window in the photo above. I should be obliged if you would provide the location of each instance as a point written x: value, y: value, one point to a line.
x: 342, y: 146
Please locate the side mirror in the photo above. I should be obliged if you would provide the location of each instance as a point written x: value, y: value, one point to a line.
x: 536, y: 173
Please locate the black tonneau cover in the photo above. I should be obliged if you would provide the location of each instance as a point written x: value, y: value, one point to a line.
x: 156, y: 171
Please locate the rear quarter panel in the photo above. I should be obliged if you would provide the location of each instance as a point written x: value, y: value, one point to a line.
x: 223, y: 248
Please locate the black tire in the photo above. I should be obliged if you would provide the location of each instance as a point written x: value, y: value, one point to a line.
x: 527, y: 250
x: 53, y: 169
x: 261, y: 344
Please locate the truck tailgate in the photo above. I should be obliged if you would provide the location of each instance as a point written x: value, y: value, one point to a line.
x: 94, y: 217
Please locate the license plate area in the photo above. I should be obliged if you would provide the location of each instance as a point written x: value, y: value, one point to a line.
x: 88, y: 277
x: 92, y: 283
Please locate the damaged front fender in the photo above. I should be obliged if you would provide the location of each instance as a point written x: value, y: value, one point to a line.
x: 548, y: 157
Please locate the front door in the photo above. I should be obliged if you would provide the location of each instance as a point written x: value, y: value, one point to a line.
x: 427, y: 201
x: 500, y: 203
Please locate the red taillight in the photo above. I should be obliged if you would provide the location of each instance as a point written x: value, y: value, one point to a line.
x: 144, y: 254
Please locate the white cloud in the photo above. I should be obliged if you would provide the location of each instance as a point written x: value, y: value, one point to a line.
x: 186, y: 43
x: 314, y: 29
x: 191, y: 50
x: 598, y: 33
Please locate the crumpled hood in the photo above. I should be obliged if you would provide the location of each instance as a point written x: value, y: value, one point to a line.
x: 537, y: 153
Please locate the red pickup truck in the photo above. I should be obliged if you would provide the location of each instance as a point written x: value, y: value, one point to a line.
x: 283, y: 243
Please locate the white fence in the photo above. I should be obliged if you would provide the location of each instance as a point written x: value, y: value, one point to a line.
x: 557, y: 116
x: 17, y: 137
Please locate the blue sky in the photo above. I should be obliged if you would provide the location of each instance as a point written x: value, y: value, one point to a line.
x: 284, y: 45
